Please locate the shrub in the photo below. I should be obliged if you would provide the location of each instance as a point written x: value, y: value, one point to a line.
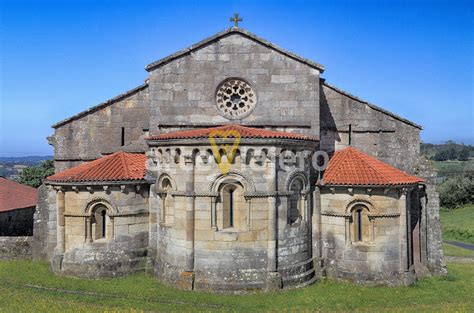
x: 456, y: 191
x: 33, y: 175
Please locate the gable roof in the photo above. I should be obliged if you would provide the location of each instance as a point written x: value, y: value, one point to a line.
x: 350, y: 166
x: 230, y: 31
x: 120, y: 166
x: 370, y: 105
x: 224, y: 131
x: 14, y: 195
x: 101, y: 105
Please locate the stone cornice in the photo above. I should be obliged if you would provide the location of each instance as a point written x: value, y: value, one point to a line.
x: 227, y: 32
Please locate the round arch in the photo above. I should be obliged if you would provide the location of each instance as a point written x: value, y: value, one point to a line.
x: 229, y: 177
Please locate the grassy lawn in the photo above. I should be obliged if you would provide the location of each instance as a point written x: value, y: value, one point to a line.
x: 458, y: 224
x: 31, y: 287
x: 451, y: 250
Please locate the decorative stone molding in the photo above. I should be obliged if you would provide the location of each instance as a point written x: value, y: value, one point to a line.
x: 130, y: 213
x: 359, y: 200
x: 383, y: 215
x: 246, y: 182
x: 106, y: 201
x: 160, y: 180
x: 336, y: 214
x: 295, y: 174
x: 235, y: 98
x: 74, y: 214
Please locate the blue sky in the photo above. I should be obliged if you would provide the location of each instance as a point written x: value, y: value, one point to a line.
x: 57, y: 58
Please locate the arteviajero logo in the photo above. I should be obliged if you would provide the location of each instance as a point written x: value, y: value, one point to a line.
x: 230, y: 142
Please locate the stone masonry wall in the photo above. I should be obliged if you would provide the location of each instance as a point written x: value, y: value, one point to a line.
x: 99, y: 132
x: 182, y: 92
x: 14, y: 248
x: 225, y: 258
x: 376, y: 133
x: 45, y: 222
x: 123, y: 251
x: 375, y: 260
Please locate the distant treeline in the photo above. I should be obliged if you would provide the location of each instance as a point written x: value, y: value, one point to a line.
x: 447, y: 151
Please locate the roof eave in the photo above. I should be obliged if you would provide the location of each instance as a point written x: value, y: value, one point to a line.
x: 371, y: 105
x: 234, y: 30
x: 101, y: 105
x: 371, y: 185
x: 95, y: 182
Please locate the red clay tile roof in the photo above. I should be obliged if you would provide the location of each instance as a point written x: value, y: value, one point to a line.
x: 14, y: 195
x: 350, y: 166
x: 244, y: 131
x: 115, y: 167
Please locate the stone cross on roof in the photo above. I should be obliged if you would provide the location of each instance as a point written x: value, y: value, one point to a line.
x: 236, y: 19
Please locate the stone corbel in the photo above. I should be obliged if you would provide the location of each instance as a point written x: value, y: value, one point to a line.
x: 333, y: 190
x: 369, y: 191
x: 350, y: 191
x: 137, y: 189
x: 386, y: 191
x: 123, y: 188
x: 75, y: 189
x: 205, y: 158
x: 59, y: 189
x: 90, y: 189
x: 106, y: 189
x: 188, y: 159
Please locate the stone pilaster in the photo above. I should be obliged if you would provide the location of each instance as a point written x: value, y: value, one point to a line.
x: 402, y: 207
x: 61, y: 204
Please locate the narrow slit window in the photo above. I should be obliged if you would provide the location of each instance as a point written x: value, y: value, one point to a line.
x: 231, y: 208
x: 358, y: 224
x: 103, y: 223
x: 122, y: 140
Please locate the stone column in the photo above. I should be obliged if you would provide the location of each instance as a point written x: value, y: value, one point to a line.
x: 402, y: 207
x: 61, y: 203
x: 112, y: 228
x: 162, y: 207
x: 88, y: 229
x: 249, y: 210
x: 214, y: 213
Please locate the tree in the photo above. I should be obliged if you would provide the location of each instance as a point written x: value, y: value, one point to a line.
x: 464, y: 154
x: 34, y: 175
x: 456, y: 191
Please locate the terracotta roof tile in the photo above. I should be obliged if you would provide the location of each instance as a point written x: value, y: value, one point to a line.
x: 353, y: 167
x: 115, y: 167
x: 14, y: 195
x: 244, y: 131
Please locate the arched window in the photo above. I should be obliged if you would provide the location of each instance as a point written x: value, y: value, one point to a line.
x: 99, y: 221
x: 296, y: 201
x: 232, y: 204
x: 168, y: 201
x: 360, y: 224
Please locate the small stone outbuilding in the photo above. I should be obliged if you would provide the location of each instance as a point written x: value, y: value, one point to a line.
x: 17, y: 207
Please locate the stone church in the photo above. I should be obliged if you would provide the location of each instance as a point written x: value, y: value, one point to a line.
x: 236, y: 166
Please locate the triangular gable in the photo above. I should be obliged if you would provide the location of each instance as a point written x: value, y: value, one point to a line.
x: 230, y: 31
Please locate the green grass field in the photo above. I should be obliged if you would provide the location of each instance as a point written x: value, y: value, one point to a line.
x: 30, y: 287
x: 450, y: 250
x: 454, y: 166
x: 458, y: 224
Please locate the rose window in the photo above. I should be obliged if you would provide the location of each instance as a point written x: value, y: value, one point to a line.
x: 235, y: 98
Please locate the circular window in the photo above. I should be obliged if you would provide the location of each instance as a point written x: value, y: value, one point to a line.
x: 235, y: 98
